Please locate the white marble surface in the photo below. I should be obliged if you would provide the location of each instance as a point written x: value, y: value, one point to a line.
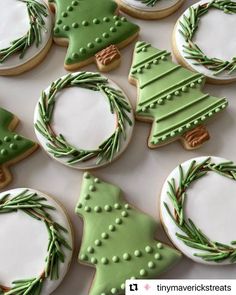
x: 140, y: 172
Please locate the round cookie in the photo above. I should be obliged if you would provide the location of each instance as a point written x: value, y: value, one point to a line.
x: 149, y: 9
x: 91, y: 34
x: 171, y: 98
x: 122, y: 245
x: 195, y: 43
x: 84, y: 120
x: 197, y: 209
x: 36, y: 242
x: 25, y: 35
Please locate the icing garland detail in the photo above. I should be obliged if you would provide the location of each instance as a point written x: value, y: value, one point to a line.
x: 36, y: 12
x: 34, y: 205
x: 194, y: 237
x: 149, y: 2
x: 58, y: 145
x: 188, y: 29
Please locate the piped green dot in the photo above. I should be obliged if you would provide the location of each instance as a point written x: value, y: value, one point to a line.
x: 151, y: 264
x: 59, y: 22
x: 137, y: 253
x: 124, y: 214
x: 87, y: 197
x: 159, y: 245
x: 96, y: 21
x: 115, y: 259
x: 83, y: 257
x: 75, y: 25
x: 90, y: 250
x: 105, y: 35
x: 115, y: 17
x: 143, y: 272
x: 92, y: 188
x: 97, y: 209
x: 126, y: 256
x: 75, y: 2
x: 118, y: 221
x: 112, y: 228
x: 108, y: 208
x: 98, y: 243
x: 106, y: 19
x: 7, y: 139
x: 113, y: 290
x: 113, y: 29
x: 148, y: 249
x: 127, y: 206
x: 94, y: 260
x: 117, y: 206
x: 69, y: 8
x: 105, y: 236
x: 86, y: 175
x: 157, y: 256
x: 56, y: 30
x: 122, y: 286
x: 64, y: 14
x: 87, y: 209
x: 104, y: 260
x: 66, y: 28
x: 98, y: 40
x: 118, y: 23
x: 85, y: 23
x: 13, y: 146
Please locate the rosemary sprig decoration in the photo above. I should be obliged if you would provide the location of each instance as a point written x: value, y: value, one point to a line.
x: 57, y: 144
x: 189, y: 25
x: 36, y: 12
x: 193, y: 236
x: 149, y: 2
x: 36, y: 207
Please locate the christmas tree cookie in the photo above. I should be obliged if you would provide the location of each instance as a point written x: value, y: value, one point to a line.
x: 36, y: 243
x: 25, y: 35
x: 197, y: 207
x: 13, y: 147
x: 122, y: 244
x: 200, y: 45
x: 92, y: 33
x: 149, y: 9
x: 171, y: 97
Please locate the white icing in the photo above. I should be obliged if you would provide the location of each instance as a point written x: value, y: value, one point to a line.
x: 215, y: 40
x: 210, y: 203
x: 23, y: 246
x: 88, y: 124
x: 159, y: 6
x: 77, y: 114
x: 15, y: 24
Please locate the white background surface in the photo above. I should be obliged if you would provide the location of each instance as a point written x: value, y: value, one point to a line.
x: 140, y: 172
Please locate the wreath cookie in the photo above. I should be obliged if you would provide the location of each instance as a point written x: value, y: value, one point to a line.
x: 197, y: 209
x: 13, y: 147
x: 25, y: 35
x: 92, y: 33
x: 36, y: 243
x: 149, y: 9
x: 84, y: 120
x: 171, y: 98
x: 199, y: 44
x: 122, y: 245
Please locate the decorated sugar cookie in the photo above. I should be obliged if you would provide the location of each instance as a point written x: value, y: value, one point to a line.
x: 25, y: 35
x: 36, y: 243
x: 122, y: 244
x: 84, y: 120
x: 92, y: 33
x: 13, y: 147
x: 149, y: 9
x: 201, y: 45
x: 197, y: 209
x: 171, y: 98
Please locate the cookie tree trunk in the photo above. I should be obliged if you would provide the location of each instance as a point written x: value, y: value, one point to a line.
x: 171, y: 97
x: 118, y: 240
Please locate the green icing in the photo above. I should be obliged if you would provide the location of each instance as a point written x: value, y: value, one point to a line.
x: 89, y: 27
x: 12, y: 145
x: 118, y: 239
x: 169, y: 94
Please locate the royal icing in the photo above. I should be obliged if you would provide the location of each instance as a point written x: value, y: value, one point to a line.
x: 89, y: 30
x: 115, y: 247
x: 15, y: 24
x: 169, y: 95
x: 221, y: 47
x: 12, y: 145
x: 83, y: 116
x: 159, y: 5
x: 22, y: 252
x: 209, y: 203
